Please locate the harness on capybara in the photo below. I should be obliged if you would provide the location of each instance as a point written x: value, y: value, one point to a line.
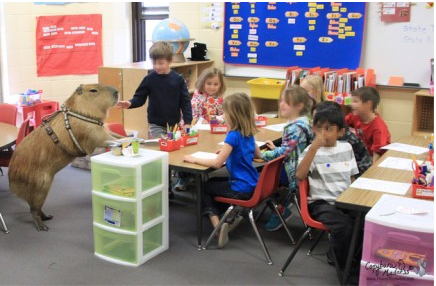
x: 46, y: 119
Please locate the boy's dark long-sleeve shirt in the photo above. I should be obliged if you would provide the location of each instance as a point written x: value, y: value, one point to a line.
x: 168, y: 95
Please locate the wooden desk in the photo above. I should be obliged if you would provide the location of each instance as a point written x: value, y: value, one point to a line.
x: 8, y: 135
x: 363, y: 200
x: 207, y: 142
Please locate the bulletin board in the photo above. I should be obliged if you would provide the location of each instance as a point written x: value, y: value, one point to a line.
x: 283, y: 34
x: 68, y: 44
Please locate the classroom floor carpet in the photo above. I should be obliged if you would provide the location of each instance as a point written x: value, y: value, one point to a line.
x: 65, y: 254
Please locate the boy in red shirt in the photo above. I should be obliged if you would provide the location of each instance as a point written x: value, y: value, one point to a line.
x: 368, y: 125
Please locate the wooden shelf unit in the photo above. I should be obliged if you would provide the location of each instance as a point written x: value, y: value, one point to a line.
x: 126, y: 78
x: 423, y: 113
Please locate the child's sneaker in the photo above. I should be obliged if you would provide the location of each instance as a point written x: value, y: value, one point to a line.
x: 181, y: 185
x: 236, y: 221
x: 223, y: 238
x: 274, y: 222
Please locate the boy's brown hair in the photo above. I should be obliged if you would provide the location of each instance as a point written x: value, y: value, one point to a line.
x: 239, y: 110
x: 161, y: 50
x: 367, y: 93
x: 209, y: 73
x: 295, y: 94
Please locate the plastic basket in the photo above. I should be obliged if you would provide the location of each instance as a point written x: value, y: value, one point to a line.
x: 169, y: 145
x: 189, y: 140
x: 261, y: 121
x: 266, y: 87
x: 218, y: 128
x: 422, y: 192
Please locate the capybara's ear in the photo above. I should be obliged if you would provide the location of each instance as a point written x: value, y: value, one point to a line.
x: 79, y: 90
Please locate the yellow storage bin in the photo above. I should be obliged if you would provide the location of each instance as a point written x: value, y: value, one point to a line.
x: 114, y: 213
x: 152, y: 207
x: 151, y: 174
x: 152, y: 239
x: 268, y: 88
x: 114, y: 180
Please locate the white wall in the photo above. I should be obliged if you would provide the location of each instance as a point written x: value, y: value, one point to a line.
x: 19, y: 55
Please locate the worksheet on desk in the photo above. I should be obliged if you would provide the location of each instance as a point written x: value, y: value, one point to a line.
x: 381, y: 186
x: 204, y: 155
x: 406, y: 148
x: 276, y: 127
x: 398, y: 163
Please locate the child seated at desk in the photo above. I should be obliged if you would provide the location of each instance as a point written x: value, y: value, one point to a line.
x: 363, y: 160
x: 330, y: 167
x: 295, y: 105
x: 238, y: 153
x: 368, y: 125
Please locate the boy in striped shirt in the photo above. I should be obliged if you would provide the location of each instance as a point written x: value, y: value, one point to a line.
x: 330, y: 166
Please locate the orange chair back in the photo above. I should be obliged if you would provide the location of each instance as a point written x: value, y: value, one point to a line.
x: 43, y: 109
x: 117, y: 128
x: 8, y: 113
x: 305, y: 215
x: 24, y: 131
x: 266, y: 186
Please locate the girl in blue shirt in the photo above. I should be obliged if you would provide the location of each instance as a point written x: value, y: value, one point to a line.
x: 238, y: 153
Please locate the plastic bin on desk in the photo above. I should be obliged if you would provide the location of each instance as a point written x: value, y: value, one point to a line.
x: 266, y: 87
x: 189, y: 140
x: 218, y: 128
x: 422, y: 192
x: 395, y: 241
x: 261, y: 121
x: 169, y: 145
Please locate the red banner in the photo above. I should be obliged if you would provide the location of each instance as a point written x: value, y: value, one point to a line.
x: 68, y: 44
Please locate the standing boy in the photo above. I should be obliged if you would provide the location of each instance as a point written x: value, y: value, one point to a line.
x: 167, y: 93
x: 368, y: 125
x: 330, y: 166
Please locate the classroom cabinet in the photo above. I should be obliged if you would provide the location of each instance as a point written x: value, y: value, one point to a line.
x: 423, y: 113
x: 130, y: 206
x: 398, y: 244
x: 126, y: 78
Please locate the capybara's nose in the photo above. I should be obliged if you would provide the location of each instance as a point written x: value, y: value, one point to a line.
x: 114, y: 92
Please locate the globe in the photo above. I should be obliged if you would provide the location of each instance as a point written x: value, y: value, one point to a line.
x: 175, y: 33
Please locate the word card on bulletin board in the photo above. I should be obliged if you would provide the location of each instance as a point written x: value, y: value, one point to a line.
x: 283, y: 34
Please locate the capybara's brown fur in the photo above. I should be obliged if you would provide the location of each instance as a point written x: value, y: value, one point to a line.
x: 37, y: 158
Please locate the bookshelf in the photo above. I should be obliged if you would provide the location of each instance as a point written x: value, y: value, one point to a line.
x: 126, y: 78
x: 423, y: 113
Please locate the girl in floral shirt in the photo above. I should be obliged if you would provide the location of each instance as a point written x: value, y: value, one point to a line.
x: 207, y: 100
x: 296, y: 105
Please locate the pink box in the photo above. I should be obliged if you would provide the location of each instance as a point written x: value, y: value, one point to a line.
x: 398, y: 246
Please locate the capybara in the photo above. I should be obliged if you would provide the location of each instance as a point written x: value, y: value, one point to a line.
x: 38, y: 158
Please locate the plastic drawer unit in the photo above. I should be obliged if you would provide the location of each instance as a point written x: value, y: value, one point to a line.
x: 398, y: 246
x: 130, y: 206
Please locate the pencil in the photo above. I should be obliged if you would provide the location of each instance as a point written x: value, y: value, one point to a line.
x: 168, y: 127
x: 175, y: 128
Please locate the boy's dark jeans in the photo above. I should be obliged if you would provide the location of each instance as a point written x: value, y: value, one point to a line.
x: 339, y: 224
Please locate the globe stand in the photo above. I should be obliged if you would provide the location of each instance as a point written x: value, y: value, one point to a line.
x: 179, y: 58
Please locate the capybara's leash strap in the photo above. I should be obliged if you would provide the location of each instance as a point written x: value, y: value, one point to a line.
x: 67, y: 113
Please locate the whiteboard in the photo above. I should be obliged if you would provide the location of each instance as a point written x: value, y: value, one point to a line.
x: 391, y: 49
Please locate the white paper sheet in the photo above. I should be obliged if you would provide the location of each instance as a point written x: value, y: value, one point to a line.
x: 200, y: 126
x: 276, y: 127
x: 204, y: 155
x: 398, y: 163
x: 381, y: 186
x: 259, y: 143
x: 406, y: 148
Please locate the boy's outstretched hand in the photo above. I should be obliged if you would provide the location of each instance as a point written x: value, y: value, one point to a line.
x: 123, y: 104
x: 319, y: 140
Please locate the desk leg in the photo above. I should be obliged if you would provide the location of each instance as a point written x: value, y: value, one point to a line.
x: 357, y: 225
x: 199, y: 187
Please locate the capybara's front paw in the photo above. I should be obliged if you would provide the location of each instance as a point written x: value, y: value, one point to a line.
x: 46, y: 217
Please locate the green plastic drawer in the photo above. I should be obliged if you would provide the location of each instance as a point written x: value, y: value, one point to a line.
x: 152, y: 207
x: 114, y: 180
x: 151, y: 174
x: 115, y: 213
x: 116, y: 245
x: 152, y: 238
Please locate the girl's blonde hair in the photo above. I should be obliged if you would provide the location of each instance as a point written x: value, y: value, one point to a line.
x: 239, y: 110
x: 209, y: 73
x: 315, y: 82
x: 295, y: 94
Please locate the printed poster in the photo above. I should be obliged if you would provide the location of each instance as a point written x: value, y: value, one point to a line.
x: 68, y: 44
